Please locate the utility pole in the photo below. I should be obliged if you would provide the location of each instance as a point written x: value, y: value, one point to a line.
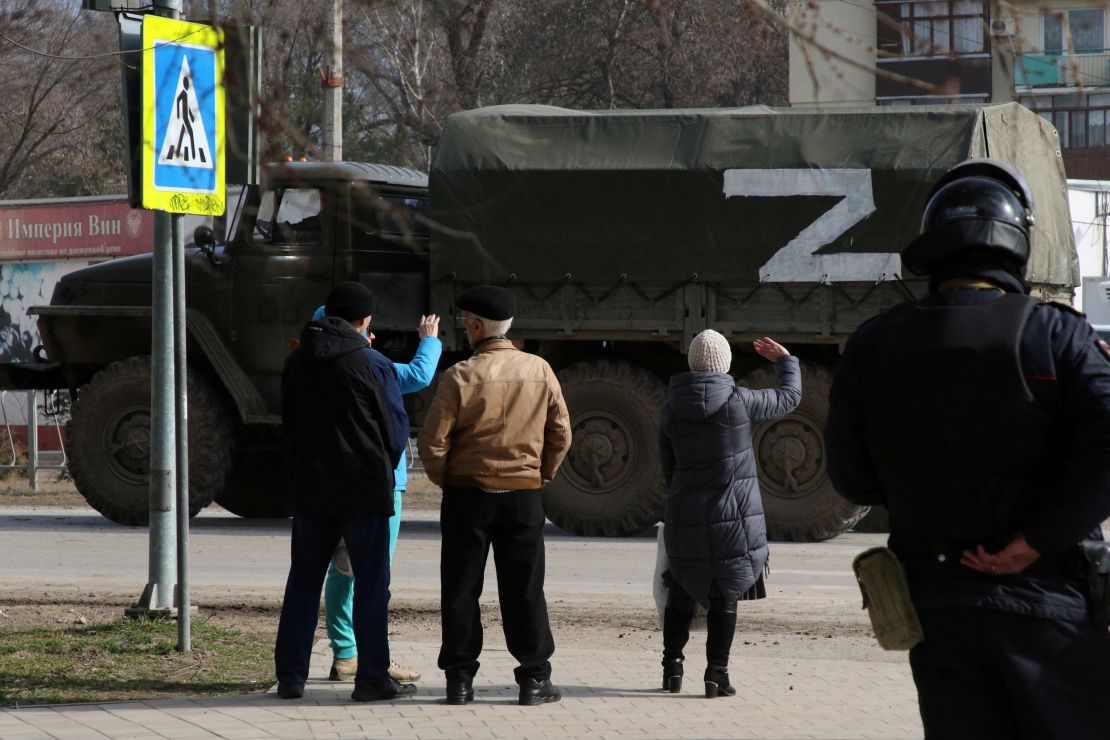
x: 332, y: 79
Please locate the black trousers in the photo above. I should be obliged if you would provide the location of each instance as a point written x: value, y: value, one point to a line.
x: 988, y: 674
x: 313, y: 543
x: 471, y: 521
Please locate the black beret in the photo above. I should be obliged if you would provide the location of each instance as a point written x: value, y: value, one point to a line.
x: 488, y: 301
x: 350, y: 301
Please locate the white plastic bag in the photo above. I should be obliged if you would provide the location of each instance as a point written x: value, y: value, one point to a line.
x: 659, y: 587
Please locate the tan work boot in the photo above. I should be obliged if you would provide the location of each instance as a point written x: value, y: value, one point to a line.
x: 402, y: 674
x: 343, y: 669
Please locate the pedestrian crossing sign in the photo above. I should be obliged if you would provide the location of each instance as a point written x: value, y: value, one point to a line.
x: 183, y: 117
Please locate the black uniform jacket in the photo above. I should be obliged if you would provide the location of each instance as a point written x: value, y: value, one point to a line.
x: 974, y: 416
x: 345, y: 424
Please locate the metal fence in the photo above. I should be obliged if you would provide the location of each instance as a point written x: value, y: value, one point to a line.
x: 25, y: 406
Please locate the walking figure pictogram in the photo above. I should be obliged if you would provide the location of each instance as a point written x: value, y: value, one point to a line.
x: 186, y: 142
x: 186, y: 116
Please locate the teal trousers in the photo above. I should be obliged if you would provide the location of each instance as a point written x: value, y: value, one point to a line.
x: 339, y: 595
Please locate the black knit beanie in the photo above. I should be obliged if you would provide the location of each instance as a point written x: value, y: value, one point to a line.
x: 349, y: 300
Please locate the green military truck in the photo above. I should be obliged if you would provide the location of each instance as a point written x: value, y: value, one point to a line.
x: 622, y: 233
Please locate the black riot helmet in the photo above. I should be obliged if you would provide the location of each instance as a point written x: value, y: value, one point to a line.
x: 980, y: 208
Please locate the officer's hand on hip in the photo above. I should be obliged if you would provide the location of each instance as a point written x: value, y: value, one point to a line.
x: 1014, y: 558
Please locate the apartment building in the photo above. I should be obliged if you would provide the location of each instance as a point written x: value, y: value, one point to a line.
x: 1053, y: 56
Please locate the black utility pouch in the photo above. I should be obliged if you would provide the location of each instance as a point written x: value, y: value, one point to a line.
x: 1095, y: 562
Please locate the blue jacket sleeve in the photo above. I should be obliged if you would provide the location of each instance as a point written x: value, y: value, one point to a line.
x: 386, y: 379
x: 417, y: 375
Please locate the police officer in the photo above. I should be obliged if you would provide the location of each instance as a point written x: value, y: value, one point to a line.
x: 981, y: 418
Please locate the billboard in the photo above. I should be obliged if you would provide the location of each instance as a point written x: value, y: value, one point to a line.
x: 78, y: 229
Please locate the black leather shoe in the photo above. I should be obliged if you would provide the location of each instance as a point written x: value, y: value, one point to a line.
x: 536, y: 691
x: 290, y: 690
x: 716, y: 683
x: 672, y: 675
x: 459, y: 692
x: 381, y: 690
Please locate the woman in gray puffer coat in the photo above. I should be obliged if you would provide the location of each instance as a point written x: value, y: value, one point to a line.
x: 714, y: 530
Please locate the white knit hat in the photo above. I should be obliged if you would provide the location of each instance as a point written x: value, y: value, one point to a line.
x: 709, y: 353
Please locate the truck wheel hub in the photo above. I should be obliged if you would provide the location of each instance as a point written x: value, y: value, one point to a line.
x: 128, y: 445
x: 599, y: 457
x: 791, y: 454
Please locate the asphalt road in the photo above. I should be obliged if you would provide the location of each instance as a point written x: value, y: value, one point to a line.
x: 78, y: 551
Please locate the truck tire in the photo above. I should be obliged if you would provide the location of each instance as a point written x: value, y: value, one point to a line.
x: 610, y: 482
x: 109, y: 441
x: 799, y: 500
x: 257, y: 487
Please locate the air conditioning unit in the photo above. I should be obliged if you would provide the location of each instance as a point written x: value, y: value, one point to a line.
x: 1003, y: 26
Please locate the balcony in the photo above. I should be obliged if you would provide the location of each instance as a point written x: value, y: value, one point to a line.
x: 1062, y: 69
x: 949, y: 76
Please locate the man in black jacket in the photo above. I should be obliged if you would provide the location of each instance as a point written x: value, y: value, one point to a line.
x: 345, y: 429
x: 981, y: 418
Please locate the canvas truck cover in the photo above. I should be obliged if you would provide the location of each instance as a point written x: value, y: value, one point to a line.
x: 543, y: 195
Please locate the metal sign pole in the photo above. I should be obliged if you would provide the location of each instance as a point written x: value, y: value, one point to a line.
x: 181, y: 381
x: 33, y: 439
x: 182, y: 171
x: 157, y: 598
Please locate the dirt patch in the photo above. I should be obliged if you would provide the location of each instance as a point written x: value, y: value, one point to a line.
x: 605, y: 626
x: 16, y: 491
x: 422, y: 493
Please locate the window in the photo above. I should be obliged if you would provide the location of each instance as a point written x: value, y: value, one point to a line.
x: 1096, y: 128
x: 392, y: 222
x: 405, y: 216
x: 1085, y: 26
x: 936, y: 100
x: 934, y: 28
x: 1080, y: 119
x: 289, y: 216
x: 298, y: 219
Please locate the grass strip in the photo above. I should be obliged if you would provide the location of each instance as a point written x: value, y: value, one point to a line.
x: 129, y: 659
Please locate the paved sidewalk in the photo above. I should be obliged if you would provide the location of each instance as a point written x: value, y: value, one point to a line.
x: 606, y: 694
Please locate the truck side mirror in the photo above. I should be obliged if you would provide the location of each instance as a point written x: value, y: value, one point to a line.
x: 205, y: 239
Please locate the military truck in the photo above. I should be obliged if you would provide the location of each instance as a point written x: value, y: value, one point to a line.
x: 622, y: 234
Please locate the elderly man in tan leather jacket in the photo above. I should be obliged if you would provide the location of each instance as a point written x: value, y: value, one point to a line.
x: 494, y: 435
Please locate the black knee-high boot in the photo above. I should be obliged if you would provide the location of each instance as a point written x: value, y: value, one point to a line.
x: 676, y: 633
x: 721, y: 624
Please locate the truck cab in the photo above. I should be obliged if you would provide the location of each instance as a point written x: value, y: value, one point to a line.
x: 310, y: 226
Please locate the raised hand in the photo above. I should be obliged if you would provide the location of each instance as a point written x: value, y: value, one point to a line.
x: 769, y: 349
x: 429, y: 326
